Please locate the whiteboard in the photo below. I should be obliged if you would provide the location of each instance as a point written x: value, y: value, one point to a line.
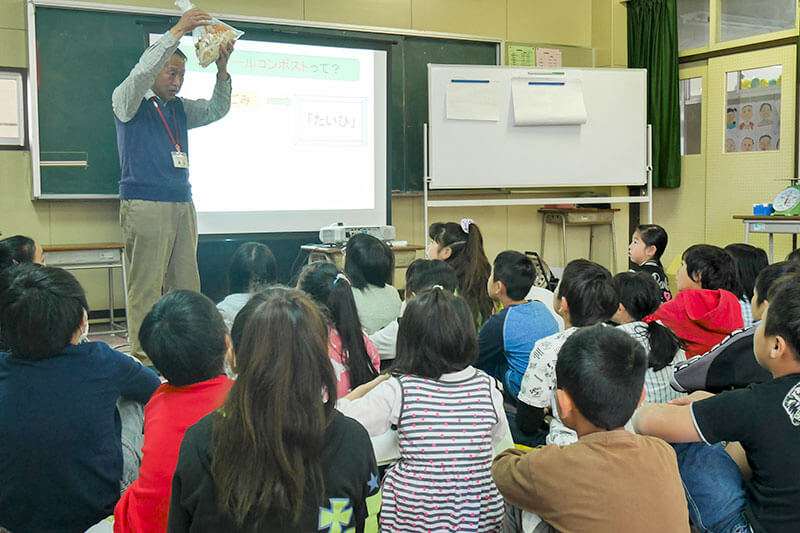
x: 489, y: 151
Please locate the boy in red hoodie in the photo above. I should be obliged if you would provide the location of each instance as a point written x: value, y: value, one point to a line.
x: 187, y: 340
x: 706, y: 308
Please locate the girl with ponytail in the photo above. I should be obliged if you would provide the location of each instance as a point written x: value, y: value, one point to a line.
x: 460, y: 245
x: 355, y: 358
x: 639, y: 297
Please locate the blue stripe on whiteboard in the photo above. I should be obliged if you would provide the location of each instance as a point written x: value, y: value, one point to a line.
x: 469, y: 81
x: 546, y: 83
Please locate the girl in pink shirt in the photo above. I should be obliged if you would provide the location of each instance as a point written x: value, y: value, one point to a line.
x: 355, y: 358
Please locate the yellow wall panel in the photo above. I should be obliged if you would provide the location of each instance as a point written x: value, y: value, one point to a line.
x: 13, y: 48
x: 602, y: 32
x: 619, y: 24
x: 543, y: 21
x: 390, y: 13
x: 12, y: 14
x: 19, y: 214
x: 471, y: 17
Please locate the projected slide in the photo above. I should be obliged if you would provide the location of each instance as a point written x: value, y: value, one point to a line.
x: 304, y: 143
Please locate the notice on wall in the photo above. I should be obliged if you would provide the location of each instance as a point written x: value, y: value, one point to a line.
x: 548, y: 57
x: 521, y: 56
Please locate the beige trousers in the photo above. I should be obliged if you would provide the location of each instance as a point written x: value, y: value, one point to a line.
x: 160, y: 255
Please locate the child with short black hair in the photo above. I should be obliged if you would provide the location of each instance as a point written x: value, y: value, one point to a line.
x: 585, y: 296
x: 252, y: 268
x: 763, y: 418
x: 421, y: 274
x: 19, y: 249
x: 369, y: 265
x: 749, y: 262
x: 706, y: 308
x: 647, y: 246
x: 61, y: 454
x: 355, y: 359
x: 506, y: 340
x: 448, y: 416
x: 186, y: 338
x: 610, y: 479
x: 460, y: 245
x: 639, y: 297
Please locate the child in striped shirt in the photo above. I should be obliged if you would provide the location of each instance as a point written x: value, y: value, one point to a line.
x: 448, y: 415
x: 639, y: 297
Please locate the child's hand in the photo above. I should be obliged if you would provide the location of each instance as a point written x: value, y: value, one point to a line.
x: 693, y: 397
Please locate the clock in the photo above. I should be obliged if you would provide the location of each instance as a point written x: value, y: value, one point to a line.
x: 788, y: 201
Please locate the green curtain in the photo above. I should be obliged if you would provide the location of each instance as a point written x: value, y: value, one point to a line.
x: 653, y: 44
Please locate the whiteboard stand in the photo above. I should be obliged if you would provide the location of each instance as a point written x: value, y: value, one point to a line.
x: 648, y: 198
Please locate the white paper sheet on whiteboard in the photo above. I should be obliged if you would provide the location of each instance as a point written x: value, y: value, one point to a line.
x: 472, y: 100
x: 547, y: 102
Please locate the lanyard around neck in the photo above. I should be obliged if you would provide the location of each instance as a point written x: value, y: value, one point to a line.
x: 164, y: 120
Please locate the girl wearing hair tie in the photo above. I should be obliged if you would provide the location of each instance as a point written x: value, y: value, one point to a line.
x: 355, y: 358
x: 460, y: 245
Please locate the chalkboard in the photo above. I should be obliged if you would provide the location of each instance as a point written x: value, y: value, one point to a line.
x: 83, y: 55
x: 479, y: 138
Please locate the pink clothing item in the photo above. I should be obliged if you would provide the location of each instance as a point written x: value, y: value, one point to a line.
x: 144, y: 507
x: 701, y: 317
x: 335, y: 350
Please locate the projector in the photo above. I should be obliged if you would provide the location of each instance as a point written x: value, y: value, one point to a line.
x: 340, y: 233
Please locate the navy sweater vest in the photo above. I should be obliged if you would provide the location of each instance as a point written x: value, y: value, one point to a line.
x: 145, y: 154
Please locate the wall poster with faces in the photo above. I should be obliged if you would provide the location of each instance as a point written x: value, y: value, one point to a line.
x: 752, y: 110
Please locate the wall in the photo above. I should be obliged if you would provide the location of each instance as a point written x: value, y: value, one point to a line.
x: 570, y: 22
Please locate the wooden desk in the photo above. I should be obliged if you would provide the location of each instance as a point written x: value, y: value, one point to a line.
x: 403, y: 255
x: 92, y: 256
x: 771, y: 224
x: 579, y: 216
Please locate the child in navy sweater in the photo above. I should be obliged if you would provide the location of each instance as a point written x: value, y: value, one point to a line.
x: 61, y: 457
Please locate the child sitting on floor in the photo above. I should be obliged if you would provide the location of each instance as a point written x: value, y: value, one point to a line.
x: 185, y: 337
x: 610, y: 479
x: 749, y: 261
x: 706, y: 308
x: 645, y: 250
x: 448, y: 416
x: 277, y: 456
x: 639, y: 297
x: 421, y: 274
x: 61, y: 451
x: 369, y: 264
x: 506, y: 340
x: 764, y: 419
x: 252, y: 268
x: 586, y: 296
x: 355, y: 359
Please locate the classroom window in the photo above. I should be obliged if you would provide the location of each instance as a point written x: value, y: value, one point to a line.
x: 745, y: 18
x: 753, y: 110
x: 693, y: 17
x: 691, y: 95
x: 13, y: 125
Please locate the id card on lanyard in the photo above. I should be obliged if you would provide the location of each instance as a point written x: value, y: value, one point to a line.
x: 180, y: 159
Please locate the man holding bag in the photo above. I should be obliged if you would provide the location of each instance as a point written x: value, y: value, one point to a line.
x: 159, y: 224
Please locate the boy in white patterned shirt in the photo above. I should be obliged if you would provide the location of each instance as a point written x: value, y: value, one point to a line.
x: 586, y: 296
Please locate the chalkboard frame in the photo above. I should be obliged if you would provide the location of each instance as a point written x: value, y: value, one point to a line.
x: 406, y: 51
